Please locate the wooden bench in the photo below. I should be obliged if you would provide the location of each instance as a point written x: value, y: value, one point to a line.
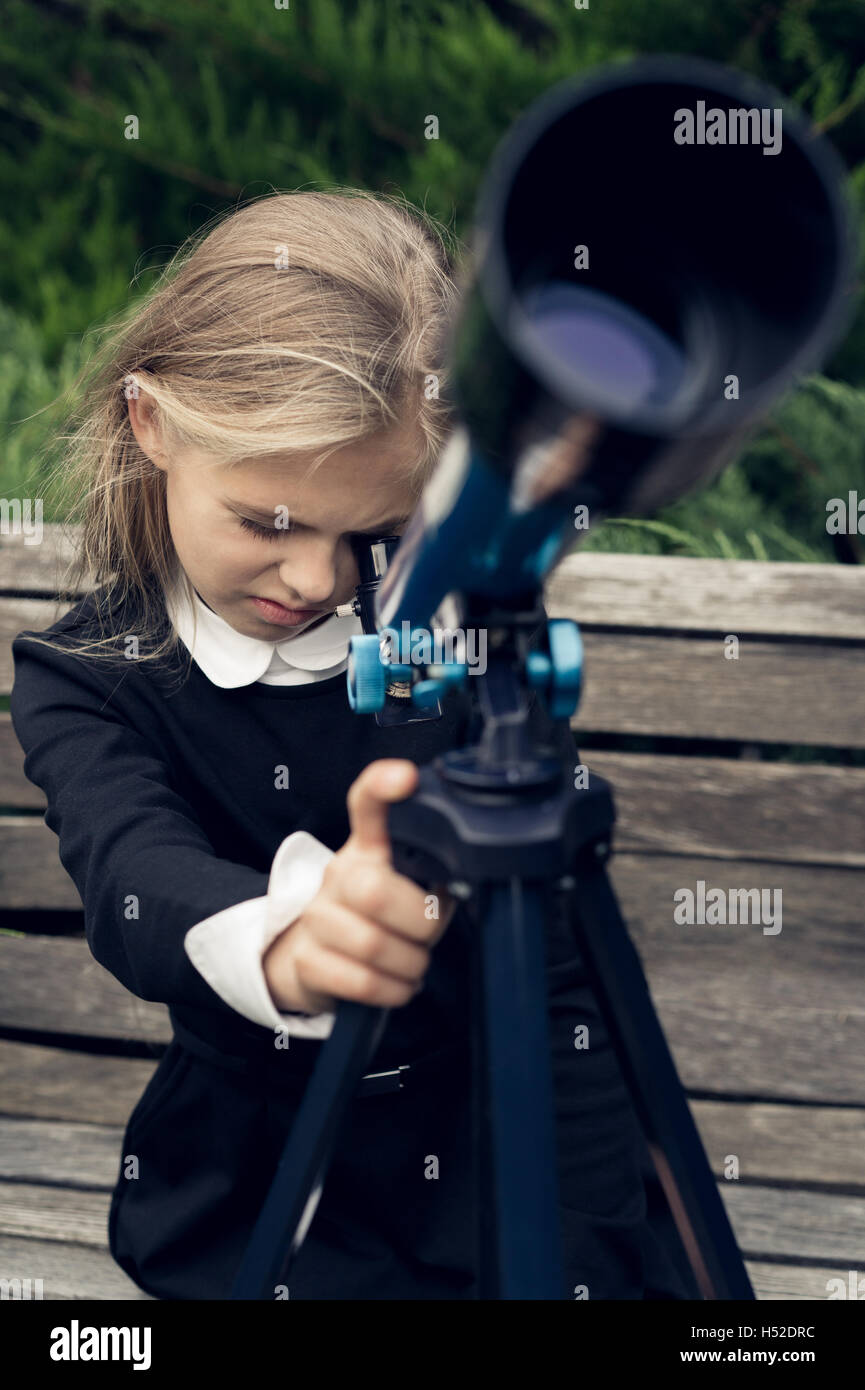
x: 768, y: 1031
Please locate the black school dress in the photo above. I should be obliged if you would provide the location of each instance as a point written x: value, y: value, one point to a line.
x: 160, y: 785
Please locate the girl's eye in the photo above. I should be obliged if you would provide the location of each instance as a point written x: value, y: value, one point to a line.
x: 267, y: 533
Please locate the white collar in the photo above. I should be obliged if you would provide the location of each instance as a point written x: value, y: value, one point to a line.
x: 230, y: 659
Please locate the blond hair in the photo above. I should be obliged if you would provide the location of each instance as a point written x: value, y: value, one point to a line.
x: 298, y: 321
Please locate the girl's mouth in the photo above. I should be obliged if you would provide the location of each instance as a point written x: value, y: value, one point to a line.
x: 286, y: 617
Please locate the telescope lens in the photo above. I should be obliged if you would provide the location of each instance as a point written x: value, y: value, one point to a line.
x: 611, y: 350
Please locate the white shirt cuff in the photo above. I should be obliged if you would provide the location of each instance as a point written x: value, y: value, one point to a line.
x: 228, y: 947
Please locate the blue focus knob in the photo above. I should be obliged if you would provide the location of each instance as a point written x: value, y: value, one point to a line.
x: 558, y: 675
x: 366, y: 675
x: 566, y: 653
x: 425, y: 693
x: 538, y: 668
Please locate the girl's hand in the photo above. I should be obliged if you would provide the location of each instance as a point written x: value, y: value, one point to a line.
x: 368, y: 932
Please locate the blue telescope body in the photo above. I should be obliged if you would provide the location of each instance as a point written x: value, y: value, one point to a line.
x: 660, y: 250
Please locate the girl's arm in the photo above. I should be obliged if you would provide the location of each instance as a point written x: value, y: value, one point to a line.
x: 143, y: 866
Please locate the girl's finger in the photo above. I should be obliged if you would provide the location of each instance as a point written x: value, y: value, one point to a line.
x: 350, y: 934
x: 384, y: 781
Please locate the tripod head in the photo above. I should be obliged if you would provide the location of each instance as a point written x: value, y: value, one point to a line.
x: 660, y: 250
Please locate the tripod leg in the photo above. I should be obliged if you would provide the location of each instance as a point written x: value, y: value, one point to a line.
x: 622, y: 995
x: 486, y: 1239
x: 520, y: 1092
x: 297, y: 1184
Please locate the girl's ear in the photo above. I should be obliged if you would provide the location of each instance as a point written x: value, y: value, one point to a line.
x: 142, y: 417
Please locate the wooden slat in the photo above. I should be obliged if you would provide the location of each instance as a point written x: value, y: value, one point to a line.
x: 673, y: 592
x: 785, y: 1143
x: 74, y: 1272
x: 53, y: 984
x: 821, y: 919
x: 31, y: 874
x: 81, y: 1162
x: 68, y: 1272
x: 638, y: 683
x: 18, y: 615
x: 54, y: 1213
x: 780, y: 1034
x: 781, y: 1143
x: 735, y: 809
x: 717, y: 807
x: 746, y: 1013
x: 678, y: 592
x: 766, y: 1221
x: 815, y: 1226
x: 52, y: 1083
x: 721, y: 809
x: 15, y: 790
x: 739, y: 977
x: 674, y: 686
x: 783, y: 1283
x: 60, y: 1153
x: 40, y: 567
x: 684, y: 687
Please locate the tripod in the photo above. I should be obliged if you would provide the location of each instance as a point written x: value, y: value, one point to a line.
x: 509, y: 832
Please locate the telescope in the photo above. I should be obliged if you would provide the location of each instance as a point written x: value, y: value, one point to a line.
x: 661, y: 249
x: 637, y: 303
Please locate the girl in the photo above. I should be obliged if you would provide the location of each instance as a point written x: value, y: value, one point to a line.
x: 221, y: 809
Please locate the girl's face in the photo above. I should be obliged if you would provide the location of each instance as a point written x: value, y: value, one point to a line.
x: 261, y: 530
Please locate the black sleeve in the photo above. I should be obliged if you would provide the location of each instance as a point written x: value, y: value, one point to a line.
x: 143, y: 866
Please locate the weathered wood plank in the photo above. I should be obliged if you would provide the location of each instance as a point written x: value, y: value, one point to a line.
x: 66, y: 1154
x: 750, y: 1015
x: 68, y: 1272
x: 781, y: 1283
x: 54, y: 984
x: 717, y: 807
x: 780, y: 1035
x: 674, y: 592
x: 18, y: 615
x: 684, y: 687
x: 766, y: 1221
x: 733, y: 809
x: 81, y: 1218
x: 54, y: 1213
x: 38, y: 567
x: 821, y: 911
x: 783, y: 1143
x: 74, y: 1272
x: 15, y: 790
x: 637, y: 684
x: 813, y: 1226
x: 667, y: 685
x: 740, y: 596
x: 52, y: 1083
x: 822, y: 830
x: 31, y: 874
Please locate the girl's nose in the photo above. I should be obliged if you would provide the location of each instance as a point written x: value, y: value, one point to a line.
x: 310, y: 577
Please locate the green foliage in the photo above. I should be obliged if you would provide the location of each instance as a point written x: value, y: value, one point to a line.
x: 33, y: 393
x: 232, y: 100
x: 771, y: 504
